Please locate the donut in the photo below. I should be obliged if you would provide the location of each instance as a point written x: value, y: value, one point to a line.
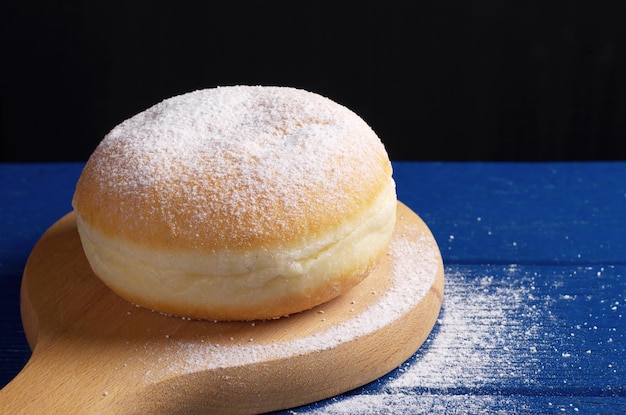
x: 236, y: 203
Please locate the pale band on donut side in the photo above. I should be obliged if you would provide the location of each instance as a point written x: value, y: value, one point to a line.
x: 251, y: 284
x: 236, y: 203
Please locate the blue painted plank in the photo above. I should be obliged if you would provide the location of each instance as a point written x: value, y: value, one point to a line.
x: 396, y: 403
x: 520, y: 212
x: 533, y: 319
x: 34, y: 196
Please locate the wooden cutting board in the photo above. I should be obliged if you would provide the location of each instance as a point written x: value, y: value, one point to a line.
x: 96, y: 353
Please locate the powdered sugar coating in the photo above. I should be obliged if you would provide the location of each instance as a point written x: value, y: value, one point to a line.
x: 262, y: 163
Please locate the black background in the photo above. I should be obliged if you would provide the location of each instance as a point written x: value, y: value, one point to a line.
x: 437, y: 80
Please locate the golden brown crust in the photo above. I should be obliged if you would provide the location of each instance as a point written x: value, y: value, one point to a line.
x: 301, y: 188
x: 243, y: 189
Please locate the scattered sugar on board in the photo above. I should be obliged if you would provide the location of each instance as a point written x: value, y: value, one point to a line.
x: 498, y: 332
x: 492, y: 332
x: 414, y: 270
x: 478, y: 326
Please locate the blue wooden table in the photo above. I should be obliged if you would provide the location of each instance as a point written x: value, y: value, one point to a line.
x: 534, y: 312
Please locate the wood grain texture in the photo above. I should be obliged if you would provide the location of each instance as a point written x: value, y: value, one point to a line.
x: 96, y: 353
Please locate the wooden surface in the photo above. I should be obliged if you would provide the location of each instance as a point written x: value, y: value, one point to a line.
x: 533, y: 319
x: 94, y: 352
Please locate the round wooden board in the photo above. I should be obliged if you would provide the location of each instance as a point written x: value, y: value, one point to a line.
x: 96, y: 353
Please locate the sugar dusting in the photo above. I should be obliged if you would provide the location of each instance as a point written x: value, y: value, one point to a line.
x: 415, y: 267
x: 234, y: 152
x: 499, y: 334
x: 467, y: 349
